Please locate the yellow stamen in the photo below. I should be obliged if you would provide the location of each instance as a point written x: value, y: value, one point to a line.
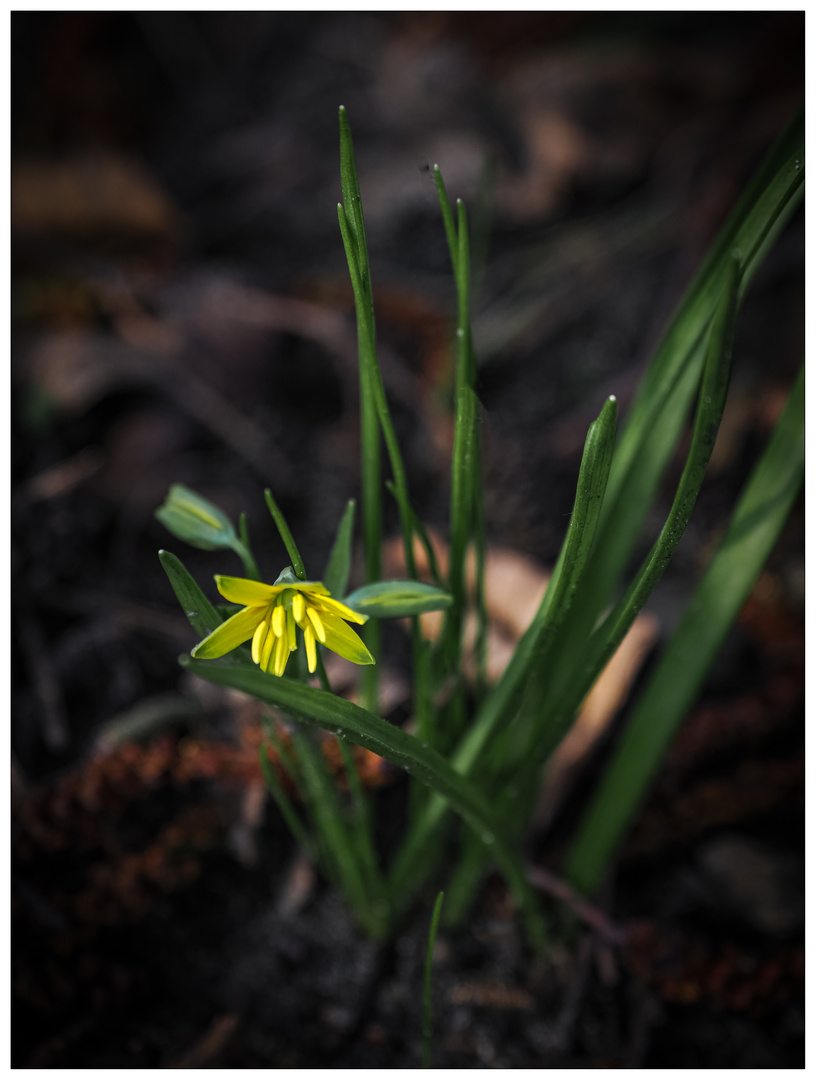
x: 278, y: 621
x: 311, y: 652
x: 291, y: 628
x: 317, y: 624
x: 258, y: 641
x: 267, y: 650
x: 298, y: 607
x: 281, y: 656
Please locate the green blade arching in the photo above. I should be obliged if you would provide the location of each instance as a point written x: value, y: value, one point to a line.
x: 569, y: 691
x: 195, y: 605
x: 500, y: 705
x: 754, y: 528
x: 655, y: 418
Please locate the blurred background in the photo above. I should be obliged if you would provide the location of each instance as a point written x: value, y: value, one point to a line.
x: 181, y: 312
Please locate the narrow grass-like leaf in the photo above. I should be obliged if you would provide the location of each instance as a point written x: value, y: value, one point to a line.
x: 360, y: 828
x: 352, y: 229
x: 374, y: 412
x: 570, y: 689
x: 284, y: 752
x: 336, y: 574
x: 464, y: 460
x: 667, y: 389
x: 447, y: 218
x: 340, y: 848
x: 243, y: 549
x: 499, y: 707
x: 285, y: 535
x: 656, y: 418
x: 352, y: 201
x: 593, y: 477
x: 479, y: 597
x: 465, y: 877
x: 466, y: 521
x: 755, y: 526
x: 362, y: 727
x: 284, y: 804
x: 195, y: 605
x: 427, y: 997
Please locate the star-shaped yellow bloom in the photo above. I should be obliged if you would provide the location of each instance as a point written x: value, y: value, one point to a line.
x: 271, y: 617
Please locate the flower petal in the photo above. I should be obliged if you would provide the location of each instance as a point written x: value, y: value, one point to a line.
x: 311, y: 652
x: 244, y: 591
x: 268, y: 651
x: 298, y: 608
x: 317, y: 623
x: 258, y: 640
x: 281, y: 655
x: 230, y: 634
x: 316, y: 588
x: 328, y: 603
x: 341, y: 639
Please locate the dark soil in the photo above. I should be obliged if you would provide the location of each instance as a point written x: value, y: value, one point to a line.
x: 181, y: 312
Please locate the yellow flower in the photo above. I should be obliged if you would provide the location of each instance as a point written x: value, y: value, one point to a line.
x: 271, y: 617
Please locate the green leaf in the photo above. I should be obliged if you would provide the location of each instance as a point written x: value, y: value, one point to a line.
x: 427, y: 998
x: 498, y: 709
x: 397, y: 599
x: 447, y: 218
x: 243, y: 549
x: 755, y: 526
x: 364, y: 728
x: 324, y: 804
x: 655, y: 419
x: 194, y: 519
x: 362, y: 835
x: 284, y: 803
x: 570, y: 689
x: 465, y: 466
x: 336, y: 574
x: 541, y: 637
x: 352, y: 229
x: 195, y: 605
x: 352, y: 201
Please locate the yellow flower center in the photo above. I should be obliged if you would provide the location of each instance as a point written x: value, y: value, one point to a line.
x: 276, y: 635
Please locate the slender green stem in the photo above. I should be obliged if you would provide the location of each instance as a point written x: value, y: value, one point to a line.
x: 340, y: 842
x: 374, y: 411
x: 318, y: 708
x: 243, y: 549
x: 480, y: 550
x: 467, y: 517
x: 285, y: 535
x: 296, y: 826
x: 427, y: 1002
